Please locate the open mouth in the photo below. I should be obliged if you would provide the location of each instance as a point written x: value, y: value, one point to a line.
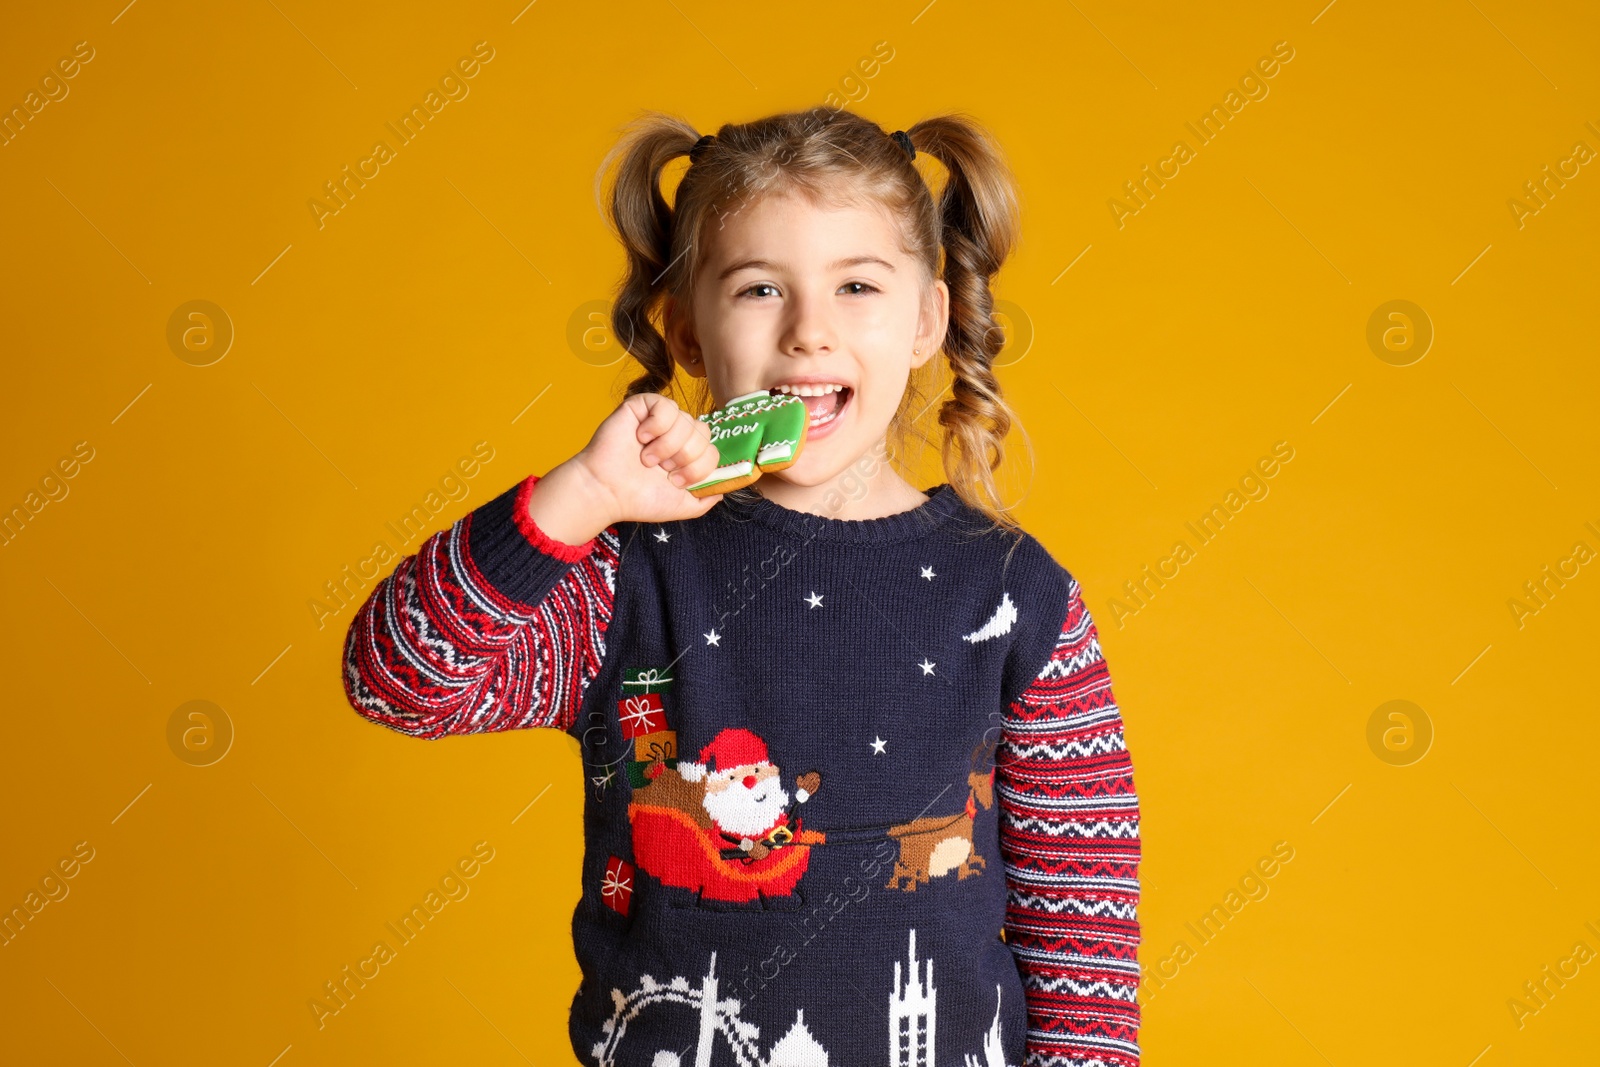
x: 824, y: 407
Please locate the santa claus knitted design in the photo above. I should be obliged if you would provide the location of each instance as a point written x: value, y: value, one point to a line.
x: 731, y: 748
x: 724, y: 825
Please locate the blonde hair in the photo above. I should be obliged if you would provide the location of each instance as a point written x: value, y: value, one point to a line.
x: 831, y: 155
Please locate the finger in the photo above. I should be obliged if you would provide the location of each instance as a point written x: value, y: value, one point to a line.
x: 665, y: 448
x: 672, y: 439
x: 656, y: 442
x: 660, y: 417
x: 697, y: 469
x: 700, y: 467
x: 699, y: 448
x: 704, y: 502
x: 697, y: 444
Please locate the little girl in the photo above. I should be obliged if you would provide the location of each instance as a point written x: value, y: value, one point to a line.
x: 856, y: 789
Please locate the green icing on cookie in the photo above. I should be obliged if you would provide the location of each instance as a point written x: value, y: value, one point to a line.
x: 757, y: 430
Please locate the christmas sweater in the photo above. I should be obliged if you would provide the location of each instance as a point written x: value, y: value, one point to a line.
x: 856, y: 791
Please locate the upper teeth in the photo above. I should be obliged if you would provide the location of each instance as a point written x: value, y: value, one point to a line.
x: 808, y: 390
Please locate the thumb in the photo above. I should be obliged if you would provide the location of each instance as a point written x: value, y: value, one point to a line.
x: 707, y: 502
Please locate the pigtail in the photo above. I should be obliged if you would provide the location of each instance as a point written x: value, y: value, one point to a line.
x: 979, y: 224
x: 642, y: 221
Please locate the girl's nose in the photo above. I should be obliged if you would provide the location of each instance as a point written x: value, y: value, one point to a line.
x: 750, y: 781
x: 810, y: 330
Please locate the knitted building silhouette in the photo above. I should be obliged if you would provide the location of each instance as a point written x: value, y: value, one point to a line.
x: 912, y: 1014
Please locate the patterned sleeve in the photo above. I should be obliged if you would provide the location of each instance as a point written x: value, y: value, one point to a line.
x: 1069, y: 837
x: 490, y: 626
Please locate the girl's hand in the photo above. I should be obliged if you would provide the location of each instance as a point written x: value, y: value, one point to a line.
x: 632, y: 470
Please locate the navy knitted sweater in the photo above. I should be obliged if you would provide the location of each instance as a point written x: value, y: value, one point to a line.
x: 856, y: 791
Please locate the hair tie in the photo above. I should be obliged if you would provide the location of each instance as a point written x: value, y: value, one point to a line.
x: 903, y: 139
x: 700, y: 146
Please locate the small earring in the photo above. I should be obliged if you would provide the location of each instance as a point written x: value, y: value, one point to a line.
x: 916, y: 351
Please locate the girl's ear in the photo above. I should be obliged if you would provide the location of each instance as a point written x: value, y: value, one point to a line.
x: 932, y: 323
x: 682, y: 344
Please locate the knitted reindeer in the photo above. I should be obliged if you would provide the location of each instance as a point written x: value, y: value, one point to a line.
x: 935, y: 845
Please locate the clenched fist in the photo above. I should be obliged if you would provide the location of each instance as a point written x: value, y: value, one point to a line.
x: 633, y: 469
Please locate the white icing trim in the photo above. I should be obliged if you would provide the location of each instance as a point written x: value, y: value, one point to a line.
x: 722, y: 474
x: 774, y: 451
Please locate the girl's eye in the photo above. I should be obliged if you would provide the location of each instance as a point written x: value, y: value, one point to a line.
x: 861, y: 287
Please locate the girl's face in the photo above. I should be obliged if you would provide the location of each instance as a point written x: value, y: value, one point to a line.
x: 799, y: 297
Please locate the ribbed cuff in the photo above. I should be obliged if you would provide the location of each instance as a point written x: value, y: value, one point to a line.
x: 512, y: 553
x: 540, y: 539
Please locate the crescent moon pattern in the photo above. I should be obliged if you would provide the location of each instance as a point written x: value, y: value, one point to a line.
x: 999, y: 623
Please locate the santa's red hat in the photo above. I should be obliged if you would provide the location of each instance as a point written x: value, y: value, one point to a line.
x: 733, y: 747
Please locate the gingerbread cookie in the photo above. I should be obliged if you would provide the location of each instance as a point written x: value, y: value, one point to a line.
x: 752, y: 434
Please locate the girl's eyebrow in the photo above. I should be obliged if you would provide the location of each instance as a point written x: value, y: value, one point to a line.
x: 763, y: 264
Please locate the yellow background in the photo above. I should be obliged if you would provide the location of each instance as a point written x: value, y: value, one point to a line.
x: 371, y: 354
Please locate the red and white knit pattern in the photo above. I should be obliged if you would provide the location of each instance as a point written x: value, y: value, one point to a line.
x: 437, y: 650
x: 1069, y: 838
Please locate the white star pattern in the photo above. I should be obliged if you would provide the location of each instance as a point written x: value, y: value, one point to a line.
x: 814, y: 600
x: 927, y: 668
x: 713, y: 637
x: 877, y: 745
x: 662, y: 536
x: 927, y: 572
